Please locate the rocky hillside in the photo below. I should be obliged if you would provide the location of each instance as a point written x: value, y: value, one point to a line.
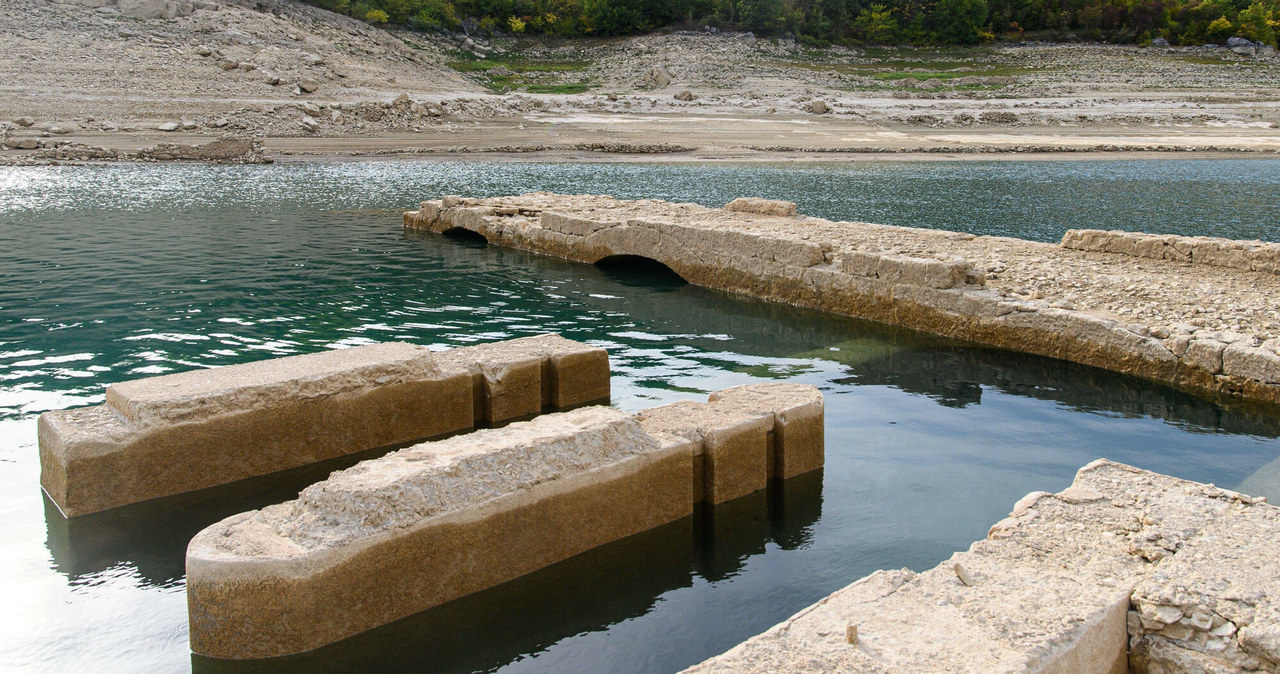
x: 153, y: 59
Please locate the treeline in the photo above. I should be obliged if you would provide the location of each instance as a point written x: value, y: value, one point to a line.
x: 851, y: 22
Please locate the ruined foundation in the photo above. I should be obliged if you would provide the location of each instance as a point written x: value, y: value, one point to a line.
x: 400, y: 534
x: 1195, y: 313
x: 176, y: 433
x: 1125, y: 570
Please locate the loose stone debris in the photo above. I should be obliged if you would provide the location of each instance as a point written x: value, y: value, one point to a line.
x: 1205, y: 321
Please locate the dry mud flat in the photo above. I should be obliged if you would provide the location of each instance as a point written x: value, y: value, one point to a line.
x: 1196, y: 313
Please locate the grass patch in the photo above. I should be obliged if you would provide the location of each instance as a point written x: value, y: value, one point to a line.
x: 538, y: 77
x: 577, y: 88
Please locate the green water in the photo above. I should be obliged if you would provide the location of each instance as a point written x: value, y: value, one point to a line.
x: 113, y: 273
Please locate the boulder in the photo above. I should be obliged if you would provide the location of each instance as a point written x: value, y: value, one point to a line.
x: 310, y: 125
x: 1242, y: 46
x: 311, y: 109
x: 271, y: 78
x: 202, y: 50
x: 1159, y: 42
x: 656, y: 77
x: 188, y: 125
x: 228, y: 64
x: 24, y: 121
x: 156, y: 9
x: 308, y: 86
x: 169, y: 126
x: 401, y: 100
x: 500, y: 71
x: 219, y: 122
x: 685, y: 95
x: 818, y: 107
x: 313, y: 59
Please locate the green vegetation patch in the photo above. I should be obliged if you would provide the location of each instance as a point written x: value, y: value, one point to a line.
x: 515, y: 72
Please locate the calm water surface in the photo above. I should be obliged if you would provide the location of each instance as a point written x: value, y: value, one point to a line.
x: 113, y: 273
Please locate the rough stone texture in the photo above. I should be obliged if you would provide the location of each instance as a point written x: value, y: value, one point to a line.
x: 761, y: 206
x: 525, y: 376
x: 1136, y: 316
x: 175, y: 433
x: 1246, y: 255
x: 413, y: 529
x: 1050, y: 590
x: 799, y: 439
x: 745, y: 435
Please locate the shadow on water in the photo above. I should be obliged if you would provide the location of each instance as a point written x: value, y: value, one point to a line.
x: 640, y: 271
x: 466, y: 237
x: 593, y: 590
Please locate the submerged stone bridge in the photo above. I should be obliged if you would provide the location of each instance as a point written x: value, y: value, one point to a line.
x: 1196, y: 313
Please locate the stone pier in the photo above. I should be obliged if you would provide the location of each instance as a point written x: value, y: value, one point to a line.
x: 176, y: 433
x: 1125, y: 570
x: 1199, y: 314
x: 418, y: 527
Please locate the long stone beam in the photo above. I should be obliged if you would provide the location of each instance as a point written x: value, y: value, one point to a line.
x: 413, y: 529
x: 1195, y: 326
x: 176, y: 433
x: 1125, y: 570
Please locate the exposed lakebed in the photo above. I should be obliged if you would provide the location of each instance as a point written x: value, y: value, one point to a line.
x: 111, y: 273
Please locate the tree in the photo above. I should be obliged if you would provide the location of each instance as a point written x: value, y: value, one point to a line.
x: 876, y: 25
x: 1257, y: 22
x: 765, y: 16
x: 960, y: 20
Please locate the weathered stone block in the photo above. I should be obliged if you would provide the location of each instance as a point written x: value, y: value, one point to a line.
x: 761, y: 206
x: 1205, y: 354
x: 1239, y: 360
x: 506, y: 384
x: 568, y: 224
x: 176, y: 433
x: 798, y: 434
x: 442, y: 519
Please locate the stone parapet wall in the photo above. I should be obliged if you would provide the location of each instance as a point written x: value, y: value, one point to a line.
x: 176, y: 433
x: 424, y: 525
x: 1218, y: 331
x: 1125, y: 570
x: 1246, y: 255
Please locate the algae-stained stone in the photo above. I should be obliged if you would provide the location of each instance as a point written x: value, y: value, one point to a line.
x: 732, y: 442
x: 399, y: 534
x: 798, y: 426
x: 573, y: 373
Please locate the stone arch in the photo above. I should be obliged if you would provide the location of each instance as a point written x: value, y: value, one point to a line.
x: 464, y: 235
x: 640, y: 269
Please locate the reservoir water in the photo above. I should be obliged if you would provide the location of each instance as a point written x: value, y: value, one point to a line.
x: 113, y: 273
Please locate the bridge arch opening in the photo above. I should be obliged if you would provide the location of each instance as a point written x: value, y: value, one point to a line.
x: 466, y: 237
x: 637, y: 270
